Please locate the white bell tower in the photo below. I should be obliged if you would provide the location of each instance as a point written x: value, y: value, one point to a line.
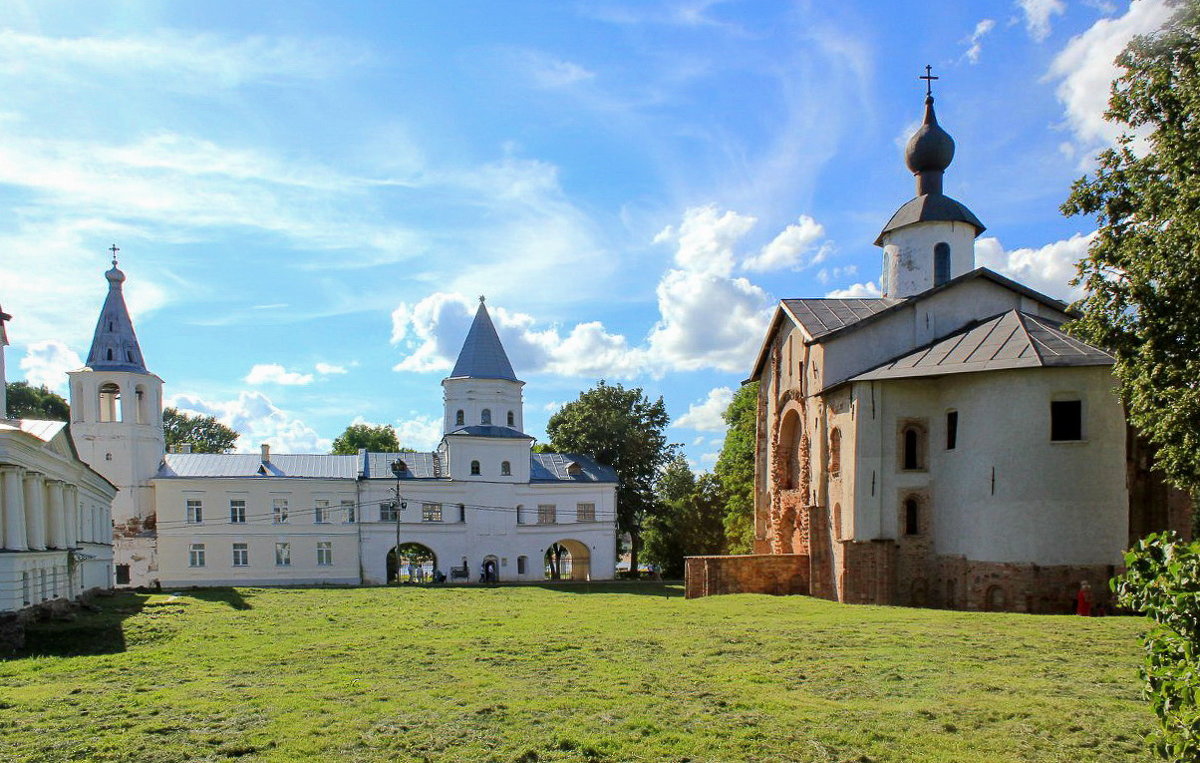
x: 116, y: 424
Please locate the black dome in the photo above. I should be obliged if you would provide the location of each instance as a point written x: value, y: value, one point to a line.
x: 930, y: 148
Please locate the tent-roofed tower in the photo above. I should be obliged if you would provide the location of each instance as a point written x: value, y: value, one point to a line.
x: 931, y: 238
x: 116, y: 424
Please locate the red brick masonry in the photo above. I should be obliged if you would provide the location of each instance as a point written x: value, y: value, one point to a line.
x: 751, y: 573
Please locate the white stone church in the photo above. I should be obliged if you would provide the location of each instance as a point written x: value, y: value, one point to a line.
x: 946, y: 444
x: 480, y: 507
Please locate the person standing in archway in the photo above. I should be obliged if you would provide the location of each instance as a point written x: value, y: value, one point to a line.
x: 1083, y: 600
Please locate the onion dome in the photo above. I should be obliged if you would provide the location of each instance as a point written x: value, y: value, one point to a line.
x: 930, y: 149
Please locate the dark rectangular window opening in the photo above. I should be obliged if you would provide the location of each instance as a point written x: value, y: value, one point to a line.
x: 122, y: 574
x: 951, y: 430
x: 1066, y: 420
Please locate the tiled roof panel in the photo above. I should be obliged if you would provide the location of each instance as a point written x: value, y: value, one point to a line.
x: 304, y: 466
x: 823, y: 316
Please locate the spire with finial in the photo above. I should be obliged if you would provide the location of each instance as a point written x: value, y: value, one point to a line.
x: 482, y: 355
x: 114, y: 344
x: 930, y: 149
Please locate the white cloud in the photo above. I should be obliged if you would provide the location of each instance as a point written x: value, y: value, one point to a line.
x: 550, y: 72
x: 273, y: 373
x: 707, y: 414
x: 258, y: 421
x: 707, y: 321
x: 976, y: 40
x: 1086, y: 69
x: 1047, y: 269
x: 419, y: 432
x: 1038, y: 14
x: 866, y: 290
x: 47, y: 362
x: 706, y: 238
x: 325, y: 369
x: 789, y: 248
x: 552, y: 406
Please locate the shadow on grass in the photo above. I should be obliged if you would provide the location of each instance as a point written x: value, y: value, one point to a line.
x: 669, y: 590
x: 233, y: 597
x: 99, y: 632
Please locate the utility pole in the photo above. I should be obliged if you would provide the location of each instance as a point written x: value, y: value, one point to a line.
x: 398, y: 505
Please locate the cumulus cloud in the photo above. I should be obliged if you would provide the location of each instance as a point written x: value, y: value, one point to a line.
x: 866, y: 290
x: 1038, y: 14
x: 1085, y: 68
x: 976, y: 40
x: 419, y: 432
x: 326, y: 369
x: 791, y: 248
x: 706, y: 238
x: 47, y: 362
x: 257, y: 420
x: 1047, y: 269
x: 273, y: 373
x: 707, y: 414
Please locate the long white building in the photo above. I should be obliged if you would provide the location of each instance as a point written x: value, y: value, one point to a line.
x: 482, y: 506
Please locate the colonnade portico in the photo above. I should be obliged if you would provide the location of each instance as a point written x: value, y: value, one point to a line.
x: 12, y: 499
x: 39, y: 513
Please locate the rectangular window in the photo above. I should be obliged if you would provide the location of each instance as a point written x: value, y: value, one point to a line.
x: 585, y: 512
x: 195, y: 511
x: 546, y: 514
x: 324, y: 553
x: 951, y: 430
x: 237, y: 511
x: 388, y: 512
x: 283, y: 554
x: 196, y: 555
x: 241, y: 555
x: 431, y: 512
x: 1066, y: 420
x: 122, y: 574
x: 321, y: 512
x: 279, y: 510
x: 521, y: 562
x: 348, y: 511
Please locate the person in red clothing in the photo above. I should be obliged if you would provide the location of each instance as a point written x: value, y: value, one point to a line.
x: 1083, y: 601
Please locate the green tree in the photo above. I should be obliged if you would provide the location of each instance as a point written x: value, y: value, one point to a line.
x: 691, y: 525
x: 735, y: 468
x: 1162, y: 581
x: 623, y: 429
x: 204, y: 433
x: 676, y: 481
x: 28, y: 402
x: 1142, y: 298
x: 379, y: 439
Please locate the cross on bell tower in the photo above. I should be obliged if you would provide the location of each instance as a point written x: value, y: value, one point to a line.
x: 114, y: 249
x: 929, y: 77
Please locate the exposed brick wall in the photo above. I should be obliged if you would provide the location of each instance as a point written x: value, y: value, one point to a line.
x: 752, y: 573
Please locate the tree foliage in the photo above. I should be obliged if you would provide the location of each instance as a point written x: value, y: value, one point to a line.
x: 1162, y: 580
x: 735, y: 468
x: 676, y: 481
x: 204, y: 433
x: 623, y: 429
x: 1142, y: 270
x: 690, y: 525
x: 376, y: 438
x: 41, y: 403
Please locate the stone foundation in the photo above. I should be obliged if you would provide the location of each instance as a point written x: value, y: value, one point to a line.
x: 775, y: 574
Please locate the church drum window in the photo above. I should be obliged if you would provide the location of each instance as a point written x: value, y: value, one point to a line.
x: 912, y: 516
x: 459, y: 418
x: 951, y: 430
x: 1066, y: 420
x: 505, y: 469
x: 941, y: 263
x: 485, y: 418
x: 475, y: 468
x: 512, y: 420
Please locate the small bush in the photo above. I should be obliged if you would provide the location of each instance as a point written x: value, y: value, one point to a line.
x: 1162, y: 580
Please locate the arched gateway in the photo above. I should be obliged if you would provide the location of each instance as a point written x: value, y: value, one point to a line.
x: 568, y: 560
x: 414, y: 563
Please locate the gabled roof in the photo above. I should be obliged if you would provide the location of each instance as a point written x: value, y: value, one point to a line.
x: 302, y: 466
x: 1010, y: 340
x: 824, y: 316
x: 482, y: 356
x: 114, y: 343
x: 556, y: 467
x: 420, y: 466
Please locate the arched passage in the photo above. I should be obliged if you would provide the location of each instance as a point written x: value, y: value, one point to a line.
x: 414, y: 563
x: 568, y: 560
x: 788, y: 455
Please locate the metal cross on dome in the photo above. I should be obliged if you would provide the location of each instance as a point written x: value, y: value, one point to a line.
x: 114, y: 249
x: 929, y: 78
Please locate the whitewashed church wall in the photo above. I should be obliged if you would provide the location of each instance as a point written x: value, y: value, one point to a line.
x: 908, y: 255
x: 491, y: 453
x: 473, y: 396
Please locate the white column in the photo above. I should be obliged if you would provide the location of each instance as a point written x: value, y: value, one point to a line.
x: 35, y: 512
x: 71, y: 503
x: 56, y: 515
x: 14, y: 509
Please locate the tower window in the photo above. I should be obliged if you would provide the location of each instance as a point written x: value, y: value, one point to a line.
x: 110, y: 402
x: 110, y: 353
x: 475, y: 468
x: 505, y: 469
x: 941, y: 263
x: 512, y: 419
x: 1066, y: 420
x: 951, y: 430
x: 129, y: 356
x: 459, y: 418
x: 485, y: 418
x: 912, y: 517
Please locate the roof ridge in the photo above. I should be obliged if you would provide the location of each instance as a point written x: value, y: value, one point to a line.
x: 1034, y: 343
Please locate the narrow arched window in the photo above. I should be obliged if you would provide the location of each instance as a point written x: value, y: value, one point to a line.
x: 512, y: 420
x: 475, y: 468
x: 109, y: 353
x: 912, y: 448
x: 505, y: 469
x: 143, y: 416
x: 941, y: 263
x: 110, y: 402
x: 912, y: 517
x: 459, y: 419
x: 486, y: 417
x: 835, y: 451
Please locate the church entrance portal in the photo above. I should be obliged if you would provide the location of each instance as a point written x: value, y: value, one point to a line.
x: 414, y: 564
x: 568, y: 560
x: 491, y: 570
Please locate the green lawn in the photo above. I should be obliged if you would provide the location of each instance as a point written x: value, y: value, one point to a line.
x: 599, y: 673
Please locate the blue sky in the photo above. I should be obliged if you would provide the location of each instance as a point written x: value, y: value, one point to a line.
x: 309, y: 197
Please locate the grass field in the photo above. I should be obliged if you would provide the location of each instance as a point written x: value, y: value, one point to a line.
x: 600, y: 673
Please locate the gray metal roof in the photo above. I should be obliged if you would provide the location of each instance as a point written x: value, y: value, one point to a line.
x: 823, y: 316
x: 421, y: 466
x: 555, y: 467
x: 489, y: 430
x: 482, y: 356
x: 930, y: 206
x: 1010, y: 340
x: 308, y: 466
x: 114, y: 343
